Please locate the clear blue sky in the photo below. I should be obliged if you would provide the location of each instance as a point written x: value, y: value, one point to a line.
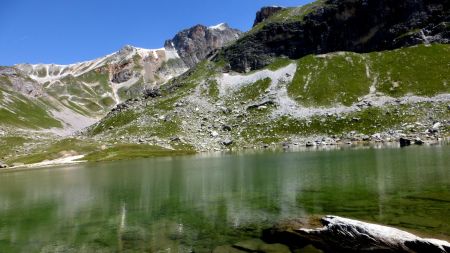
x: 68, y: 31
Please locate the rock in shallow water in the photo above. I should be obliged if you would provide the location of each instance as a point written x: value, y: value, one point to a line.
x: 404, y: 142
x: 3, y: 166
x: 345, y: 235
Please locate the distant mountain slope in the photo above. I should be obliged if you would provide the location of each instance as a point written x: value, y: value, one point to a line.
x: 76, y: 95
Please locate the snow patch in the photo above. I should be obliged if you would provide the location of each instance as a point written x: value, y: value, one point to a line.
x: 221, y: 27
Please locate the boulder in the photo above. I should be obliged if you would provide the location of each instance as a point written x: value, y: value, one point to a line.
x: 259, y: 105
x: 337, y: 234
x: 226, y: 128
x: 418, y: 141
x: 347, y: 235
x: 3, y: 165
x: 310, y: 144
x: 227, y: 142
x: 404, y: 142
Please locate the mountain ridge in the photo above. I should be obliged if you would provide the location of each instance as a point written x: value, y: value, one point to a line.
x: 90, y: 89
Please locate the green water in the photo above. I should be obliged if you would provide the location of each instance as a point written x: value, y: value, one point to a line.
x: 185, y: 204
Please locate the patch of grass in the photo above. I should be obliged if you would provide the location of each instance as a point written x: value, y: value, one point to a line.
x: 42, y: 72
x: 5, y: 81
x: 421, y: 70
x: 107, y: 101
x: 166, y: 129
x: 213, y: 89
x: 369, y: 121
x: 279, y: 63
x: 132, y: 151
x: 292, y: 14
x: 344, y: 77
x: 10, y: 143
x: 114, y: 120
x: 137, y: 62
x: 27, y: 113
x: 334, y: 78
x: 56, y: 150
x: 253, y: 91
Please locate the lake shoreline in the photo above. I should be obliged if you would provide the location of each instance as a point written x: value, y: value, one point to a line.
x: 76, y: 159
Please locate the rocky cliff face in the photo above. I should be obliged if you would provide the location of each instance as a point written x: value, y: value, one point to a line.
x: 341, y: 25
x: 196, y: 43
x: 265, y: 13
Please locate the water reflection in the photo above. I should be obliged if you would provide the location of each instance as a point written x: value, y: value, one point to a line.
x: 196, y: 203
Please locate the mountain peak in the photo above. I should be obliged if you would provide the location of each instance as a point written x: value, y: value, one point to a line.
x: 265, y: 13
x: 195, y: 43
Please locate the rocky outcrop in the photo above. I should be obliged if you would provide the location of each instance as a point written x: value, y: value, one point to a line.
x: 196, y: 43
x: 342, y: 25
x: 122, y: 76
x: 431, y: 34
x: 265, y: 13
x: 18, y: 81
x: 345, y: 235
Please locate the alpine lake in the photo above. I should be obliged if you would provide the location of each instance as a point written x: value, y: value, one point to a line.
x: 196, y: 203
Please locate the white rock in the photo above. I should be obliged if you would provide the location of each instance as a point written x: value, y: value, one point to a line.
x: 344, y: 235
x: 437, y: 126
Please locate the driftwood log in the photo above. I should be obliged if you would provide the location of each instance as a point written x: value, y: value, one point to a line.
x: 345, y: 235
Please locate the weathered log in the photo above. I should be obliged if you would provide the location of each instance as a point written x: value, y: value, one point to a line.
x: 346, y: 235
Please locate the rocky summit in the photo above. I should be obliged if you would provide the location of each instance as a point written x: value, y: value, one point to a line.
x: 196, y: 43
x: 324, y: 74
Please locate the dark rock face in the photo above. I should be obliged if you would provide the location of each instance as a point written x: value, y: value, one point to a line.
x: 344, y: 25
x: 431, y: 34
x: 122, y: 76
x: 196, y: 43
x: 265, y: 13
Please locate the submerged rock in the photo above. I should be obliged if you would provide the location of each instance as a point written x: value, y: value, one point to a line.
x: 256, y: 245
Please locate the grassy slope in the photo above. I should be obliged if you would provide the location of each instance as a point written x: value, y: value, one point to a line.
x: 50, y: 150
x: 19, y: 111
x: 132, y: 151
x: 344, y: 77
